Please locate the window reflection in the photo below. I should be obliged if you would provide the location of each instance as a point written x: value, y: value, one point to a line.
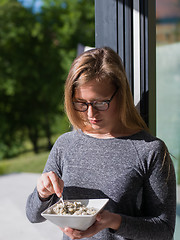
x: 167, y: 21
x: 168, y: 83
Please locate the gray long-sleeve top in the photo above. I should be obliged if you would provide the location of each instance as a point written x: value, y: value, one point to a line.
x: 134, y: 172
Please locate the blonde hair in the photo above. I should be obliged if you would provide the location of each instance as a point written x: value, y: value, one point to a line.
x: 103, y: 65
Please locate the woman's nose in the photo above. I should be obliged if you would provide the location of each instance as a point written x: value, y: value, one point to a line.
x: 91, y: 111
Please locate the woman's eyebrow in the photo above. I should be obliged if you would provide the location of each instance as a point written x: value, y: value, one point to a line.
x: 80, y: 99
x: 93, y: 100
x: 98, y: 99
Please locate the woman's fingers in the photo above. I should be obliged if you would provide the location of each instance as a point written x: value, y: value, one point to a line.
x: 56, y: 184
x: 48, y: 184
x: 69, y: 232
x: 76, y: 234
x: 44, y: 188
x: 105, y: 219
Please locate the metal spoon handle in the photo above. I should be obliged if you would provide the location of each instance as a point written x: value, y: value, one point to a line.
x: 61, y: 199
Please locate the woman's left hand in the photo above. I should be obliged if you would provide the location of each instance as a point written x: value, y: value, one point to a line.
x: 104, y: 220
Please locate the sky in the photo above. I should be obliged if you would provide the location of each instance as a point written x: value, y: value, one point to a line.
x: 28, y: 3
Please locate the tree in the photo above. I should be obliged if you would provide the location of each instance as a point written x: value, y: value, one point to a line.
x: 12, y: 31
x: 71, y: 22
x: 36, y: 51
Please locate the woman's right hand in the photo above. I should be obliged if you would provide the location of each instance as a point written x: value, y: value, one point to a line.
x: 48, y: 184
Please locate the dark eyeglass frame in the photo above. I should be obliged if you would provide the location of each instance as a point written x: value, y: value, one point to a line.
x: 94, y: 102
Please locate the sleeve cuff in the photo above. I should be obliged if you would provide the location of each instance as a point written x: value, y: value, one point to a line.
x: 121, y: 229
x: 44, y: 199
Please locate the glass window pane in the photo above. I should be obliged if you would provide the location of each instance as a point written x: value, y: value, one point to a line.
x: 168, y: 83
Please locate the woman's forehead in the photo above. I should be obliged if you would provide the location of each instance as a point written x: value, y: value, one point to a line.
x: 94, y: 90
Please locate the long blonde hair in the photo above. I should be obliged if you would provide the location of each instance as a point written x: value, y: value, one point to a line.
x: 105, y: 65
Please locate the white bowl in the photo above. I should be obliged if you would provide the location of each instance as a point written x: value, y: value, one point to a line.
x: 80, y: 222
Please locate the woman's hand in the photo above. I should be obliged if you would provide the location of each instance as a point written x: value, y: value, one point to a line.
x: 48, y: 184
x: 104, y: 220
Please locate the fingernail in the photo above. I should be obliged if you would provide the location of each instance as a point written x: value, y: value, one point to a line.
x: 77, y: 234
x: 58, y: 194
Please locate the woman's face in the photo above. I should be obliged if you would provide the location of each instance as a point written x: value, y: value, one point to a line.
x: 98, y: 122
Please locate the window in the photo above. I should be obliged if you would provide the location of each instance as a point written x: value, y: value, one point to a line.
x: 168, y: 83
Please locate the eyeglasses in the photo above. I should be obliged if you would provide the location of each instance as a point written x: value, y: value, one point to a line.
x: 99, y: 106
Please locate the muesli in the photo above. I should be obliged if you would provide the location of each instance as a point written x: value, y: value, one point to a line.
x: 72, y: 208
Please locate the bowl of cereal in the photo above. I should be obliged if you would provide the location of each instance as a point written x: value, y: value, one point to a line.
x: 77, y: 214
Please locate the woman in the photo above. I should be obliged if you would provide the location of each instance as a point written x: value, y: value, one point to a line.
x: 109, y: 154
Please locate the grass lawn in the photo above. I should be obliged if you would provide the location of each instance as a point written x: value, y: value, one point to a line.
x: 26, y: 162
x: 29, y: 161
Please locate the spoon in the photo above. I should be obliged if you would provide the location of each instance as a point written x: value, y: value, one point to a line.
x: 61, y: 199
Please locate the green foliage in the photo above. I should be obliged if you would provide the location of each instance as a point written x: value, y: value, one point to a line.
x: 26, y: 162
x: 72, y: 22
x: 36, y: 51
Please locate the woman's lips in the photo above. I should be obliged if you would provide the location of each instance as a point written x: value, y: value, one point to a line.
x: 94, y: 121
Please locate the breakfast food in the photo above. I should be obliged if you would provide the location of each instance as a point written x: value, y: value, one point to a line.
x: 72, y: 208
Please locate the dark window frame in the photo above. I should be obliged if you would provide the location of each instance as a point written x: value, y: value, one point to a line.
x: 114, y: 28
